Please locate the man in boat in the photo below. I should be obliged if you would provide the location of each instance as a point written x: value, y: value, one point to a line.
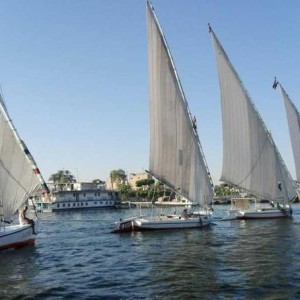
x: 185, y: 214
x: 27, y: 220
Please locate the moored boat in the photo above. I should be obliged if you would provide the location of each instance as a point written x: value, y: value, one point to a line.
x: 177, y: 201
x: 250, y: 208
x: 83, y: 199
x: 15, y: 236
x: 176, y: 156
x: 251, y: 160
x: 20, y: 181
x: 162, y: 222
x: 293, y: 118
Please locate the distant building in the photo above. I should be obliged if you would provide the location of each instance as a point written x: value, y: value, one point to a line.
x: 134, y: 177
x: 80, y: 186
x: 77, y: 186
x: 114, y: 185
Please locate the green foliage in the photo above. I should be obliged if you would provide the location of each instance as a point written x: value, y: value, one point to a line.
x: 62, y: 176
x: 98, y: 181
x: 132, y: 194
x: 152, y: 191
x: 147, y: 188
x: 125, y: 190
x: 143, y: 193
x: 225, y: 190
x: 117, y: 176
x: 144, y: 182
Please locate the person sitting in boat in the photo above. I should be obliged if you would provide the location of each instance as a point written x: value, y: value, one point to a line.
x: 26, y: 220
x: 185, y: 214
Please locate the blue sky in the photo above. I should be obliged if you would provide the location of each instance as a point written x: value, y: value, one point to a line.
x: 75, y: 79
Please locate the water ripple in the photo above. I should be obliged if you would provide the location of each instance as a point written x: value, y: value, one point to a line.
x: 76, y: 257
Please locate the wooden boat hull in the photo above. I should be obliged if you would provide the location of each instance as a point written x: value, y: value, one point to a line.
x: 16, y: 236
x: 169, y: 222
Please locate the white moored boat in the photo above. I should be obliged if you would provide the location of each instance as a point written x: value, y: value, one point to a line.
x: 293, y: 118
x: 83, y: 199
x: 176, y: 156
x: 20, y: 179
x: 166, y: 201
x: 250, y: 208
x: 160, y: 222
x: 251, y: 160
x: 15, y: 236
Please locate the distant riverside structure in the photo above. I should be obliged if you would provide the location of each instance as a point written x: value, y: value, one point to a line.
x: 79, y: 186
x: 81, y: 195
x: 134, y: 177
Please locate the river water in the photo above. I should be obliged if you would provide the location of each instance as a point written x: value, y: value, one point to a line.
x: 76, y: 257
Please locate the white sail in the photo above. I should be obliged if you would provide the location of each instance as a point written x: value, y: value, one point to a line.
x: 293, y: 118
x: 176, y: 156
x: 250, y: 158
x: 18, y: 176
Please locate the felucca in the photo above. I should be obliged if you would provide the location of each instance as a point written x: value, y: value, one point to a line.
x: 293, y: 118
x: 20, y: 179
x: 176, y: 156
x: 251, y: 160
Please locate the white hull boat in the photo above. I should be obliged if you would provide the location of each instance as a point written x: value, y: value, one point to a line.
x: 263, y: 213
x: 165, y: 201
x: 161, y: 223
x: 20, y: 181
x: 174, y: 203
x: 176, y: 156
x: 248, y: 208
x: 293, y: 117
x: 15, y: 236
x: 271, y: 213
x: 251, y: 160
x: 43, y: 207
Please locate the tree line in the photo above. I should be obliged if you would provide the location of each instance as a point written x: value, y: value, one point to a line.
x: 144, y: 189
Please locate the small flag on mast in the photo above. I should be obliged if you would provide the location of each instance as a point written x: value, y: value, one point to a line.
x: 209, y: 28
x: 275, y: 83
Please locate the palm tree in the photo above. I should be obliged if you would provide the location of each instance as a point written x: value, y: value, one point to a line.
x: 62, y: 177
x: 117, y: 176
